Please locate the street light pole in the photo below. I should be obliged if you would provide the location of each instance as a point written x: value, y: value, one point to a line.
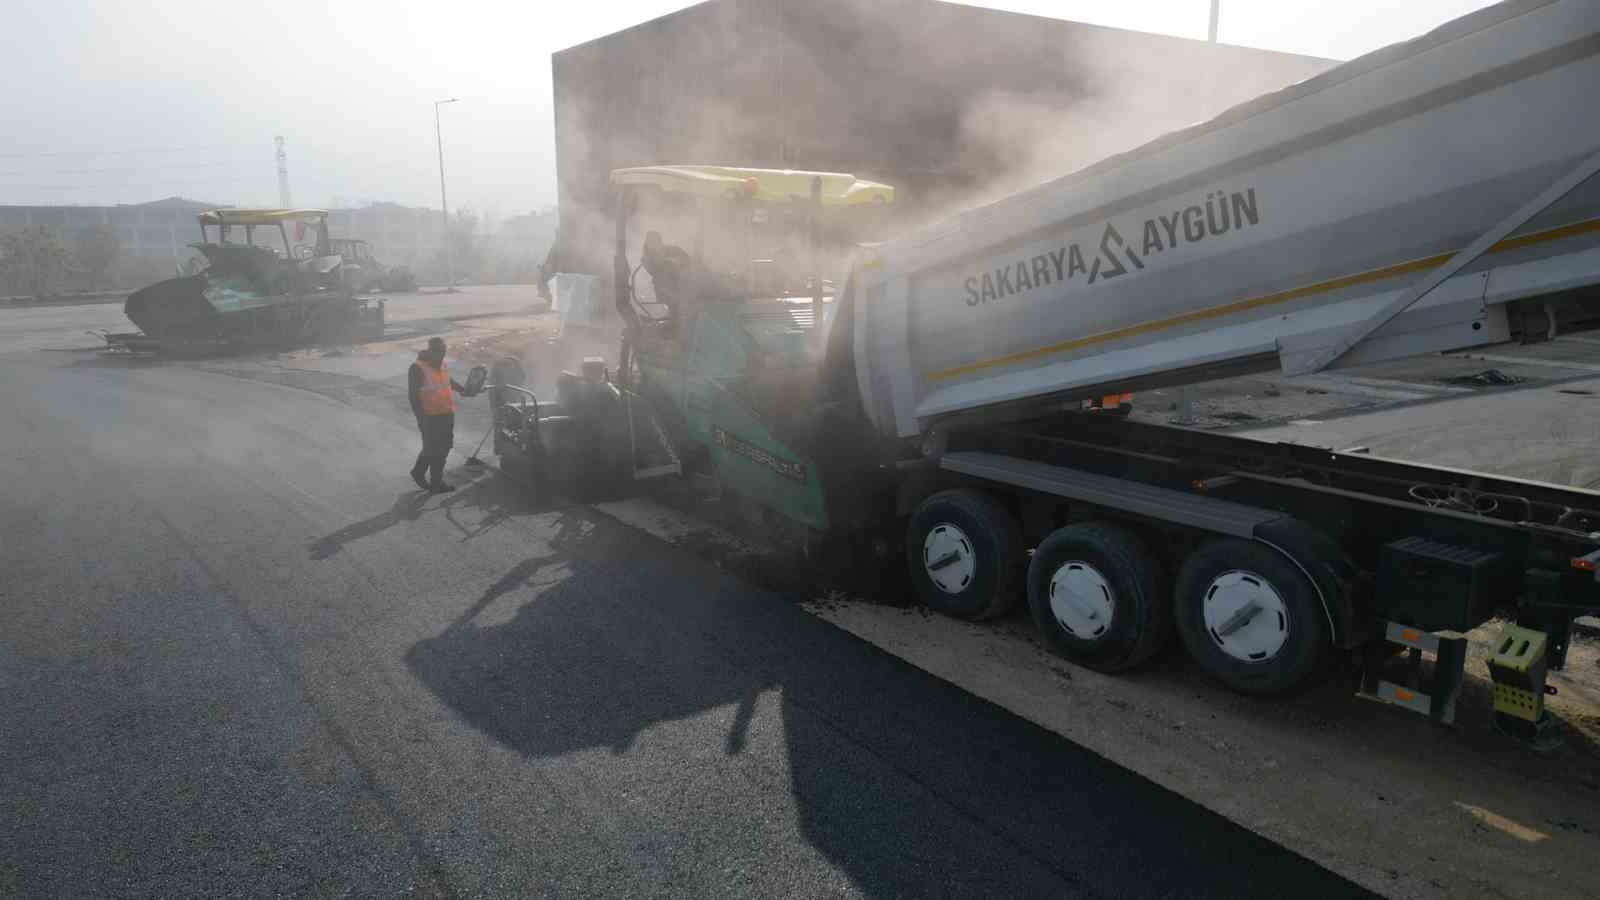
x: 444, y: 204
x: 1216, y: 12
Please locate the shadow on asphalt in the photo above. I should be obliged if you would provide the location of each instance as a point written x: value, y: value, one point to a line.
x: 907, y: 784
x: 408, y: 507
x: 497, y: 499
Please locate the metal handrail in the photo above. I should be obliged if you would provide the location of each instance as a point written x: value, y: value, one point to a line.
x: 512, y: 387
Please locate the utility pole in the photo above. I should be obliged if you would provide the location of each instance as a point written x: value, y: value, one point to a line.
x: 1216, y: 11
x: 283, y: 176
x: 444, y: 204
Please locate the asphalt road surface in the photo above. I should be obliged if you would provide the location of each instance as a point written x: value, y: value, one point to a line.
x: 242, y: 656
x: 53, y: 326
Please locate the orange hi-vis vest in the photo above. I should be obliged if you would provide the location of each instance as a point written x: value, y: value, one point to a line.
x: 435, y: 393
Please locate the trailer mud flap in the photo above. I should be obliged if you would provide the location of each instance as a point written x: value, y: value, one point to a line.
x: 1336, y: 579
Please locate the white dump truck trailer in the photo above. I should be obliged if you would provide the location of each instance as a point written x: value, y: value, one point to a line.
x: 1391, y: 206
x: 1416, y: 200
x: 1433, y: 195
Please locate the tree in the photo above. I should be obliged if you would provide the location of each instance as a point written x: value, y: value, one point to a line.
x: 466, y: 250
x: 96, y: 251
x: 32, y: 261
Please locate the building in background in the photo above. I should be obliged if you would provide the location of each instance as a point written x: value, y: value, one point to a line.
x: 409, y: 236
x: 153, y: 238
x: 161, y: 230
x: 515, y: 248
x: 953, y: 105
x: 151, y: 242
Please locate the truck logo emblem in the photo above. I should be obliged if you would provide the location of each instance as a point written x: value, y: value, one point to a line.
x: 1116, y: 268
x: 1218, y: 214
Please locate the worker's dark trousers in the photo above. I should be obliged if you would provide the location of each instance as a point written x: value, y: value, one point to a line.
x: 438, y: 435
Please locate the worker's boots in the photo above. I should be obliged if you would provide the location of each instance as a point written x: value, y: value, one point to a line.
x: 436, y: 477
x: 433, y: 468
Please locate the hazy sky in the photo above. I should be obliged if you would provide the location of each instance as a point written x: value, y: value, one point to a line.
x: 122, y: 102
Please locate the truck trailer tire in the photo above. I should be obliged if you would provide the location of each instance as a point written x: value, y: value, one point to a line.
x: 964, y: 553
x: 1098, y: 596
x: 1250, y: 617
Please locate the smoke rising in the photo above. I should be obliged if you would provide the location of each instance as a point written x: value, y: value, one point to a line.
x: 955, y: 106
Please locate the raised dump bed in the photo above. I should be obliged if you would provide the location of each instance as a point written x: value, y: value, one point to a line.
x: 1311, y: 227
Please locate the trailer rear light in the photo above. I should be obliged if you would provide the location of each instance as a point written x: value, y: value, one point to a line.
x: 1588, y: 562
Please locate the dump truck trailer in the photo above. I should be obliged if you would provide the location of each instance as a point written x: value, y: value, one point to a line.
x: 1434, y: 195
x: 1392, y: 206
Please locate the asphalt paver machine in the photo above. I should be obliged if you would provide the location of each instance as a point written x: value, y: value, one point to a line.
x: 719, y: 280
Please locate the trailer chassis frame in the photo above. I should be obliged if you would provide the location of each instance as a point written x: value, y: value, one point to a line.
x: 1226, y: 484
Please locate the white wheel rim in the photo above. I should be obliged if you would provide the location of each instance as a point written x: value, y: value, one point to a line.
x: 948, y: 557
x: 1081, y: 600
x: 1245, y: 616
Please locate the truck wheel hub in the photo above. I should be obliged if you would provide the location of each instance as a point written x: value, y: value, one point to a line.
x: 947, y: 554
x: 1245, y: 617
x: 1081, y: 600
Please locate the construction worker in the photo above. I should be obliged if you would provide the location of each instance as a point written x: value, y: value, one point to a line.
x: 433, y: 400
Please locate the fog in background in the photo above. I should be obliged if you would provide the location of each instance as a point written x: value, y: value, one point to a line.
x: 122, y: 102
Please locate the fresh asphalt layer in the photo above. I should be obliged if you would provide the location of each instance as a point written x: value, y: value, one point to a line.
x: 242, y: 656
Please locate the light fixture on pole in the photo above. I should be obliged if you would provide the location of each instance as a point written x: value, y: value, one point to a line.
x: 444, y: 204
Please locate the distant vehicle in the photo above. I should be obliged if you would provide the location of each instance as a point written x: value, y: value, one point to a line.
x: 366, y: 274
x: 271, y: 278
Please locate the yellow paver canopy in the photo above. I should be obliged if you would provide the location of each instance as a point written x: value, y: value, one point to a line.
x: 767, y: 185
x: 259, y: 216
